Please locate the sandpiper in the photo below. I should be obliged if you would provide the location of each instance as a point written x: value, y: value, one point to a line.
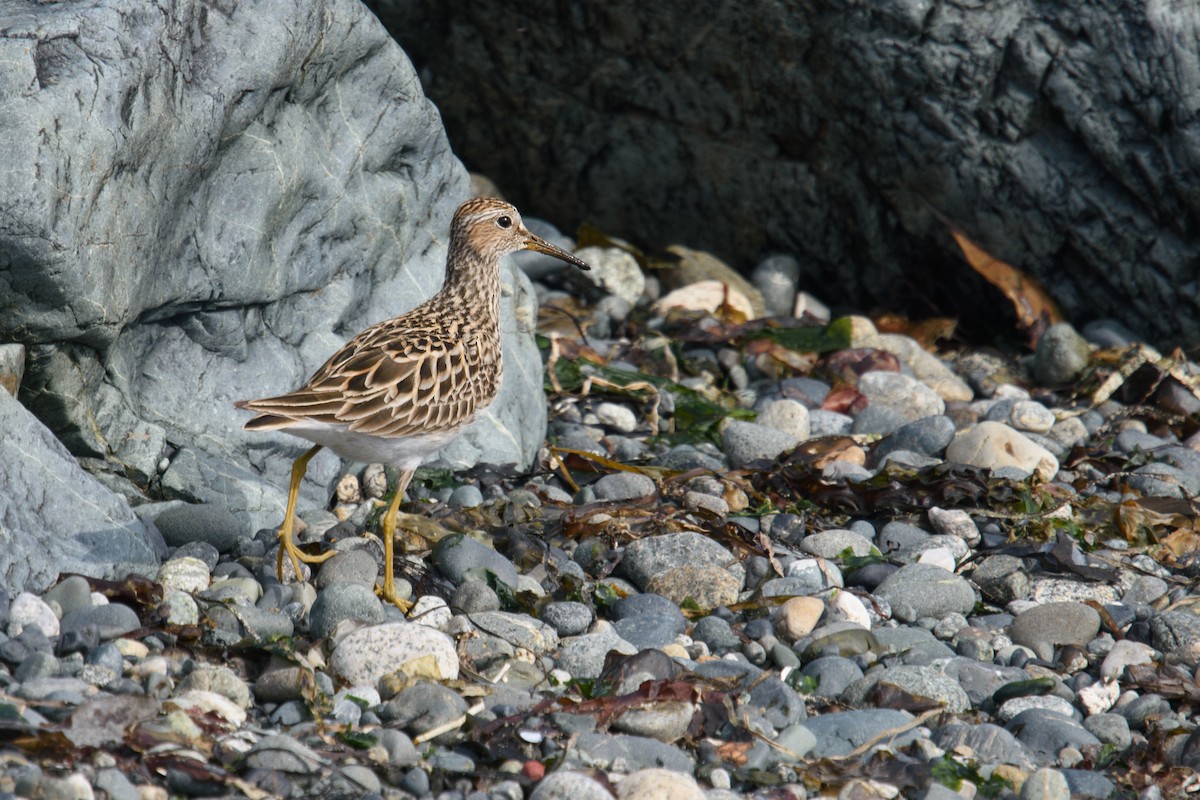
x: 406, y: 387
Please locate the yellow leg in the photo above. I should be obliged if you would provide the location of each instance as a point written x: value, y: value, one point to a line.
x: 388, y: 590
x: 286, y: 542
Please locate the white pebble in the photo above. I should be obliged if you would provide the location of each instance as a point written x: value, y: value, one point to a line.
x: 616, y: 416
x: 29, y: 609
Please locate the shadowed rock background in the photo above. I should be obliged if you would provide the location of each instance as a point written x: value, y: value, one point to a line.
x: 1062, y: 137
x: 200, y: 204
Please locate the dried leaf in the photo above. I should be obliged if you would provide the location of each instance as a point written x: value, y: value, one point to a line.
x: 845, y: 400
x: 734, y: 752
x: 794, y: 360
x: 101, y: 721
x: 1035, y: 310
x: 928, y: 331
x: 1139, y: 521
x: 850, y: 364
x: 1176, y: 545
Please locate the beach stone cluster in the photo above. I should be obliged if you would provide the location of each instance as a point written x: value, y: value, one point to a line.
x: 587, y: 632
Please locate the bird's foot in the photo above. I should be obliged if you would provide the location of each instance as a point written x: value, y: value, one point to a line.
x: 388, y: 594
x: 288, y: 545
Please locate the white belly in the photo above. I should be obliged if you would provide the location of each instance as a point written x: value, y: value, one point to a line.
x: 403, y: 452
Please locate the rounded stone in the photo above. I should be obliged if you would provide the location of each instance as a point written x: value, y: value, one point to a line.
x: 112, y: 620
x: 659, y: 784
x: 367, y: 654
x: 1046, y: 784
x: 205, y: 522
x: 745, y: 442
x: 1044, y: 627
x: 616, y: 416
x: 921, y: 681
x: 798, y: 616
x: 1061, y: 356
x: 707, y: 586
x: 994, y: 445
x: 70, y: 593
x: 834, y: 542
x: 356, y: 566
x: 219, y: 680
x: 341, y: 601
x: 457, y: 554
x: 185, y: 575
x: 908, y: 396
x: 652, y: 555
x: 928, y: 436
x: 787, y: 416
x: 928, y: 590
x: 466, y: 496
x: 567, y: 785
x: 28, y: 609
x: 613, y: 271
x: 567, y: 617
x: 624, y: 486
x: 1032, y: 416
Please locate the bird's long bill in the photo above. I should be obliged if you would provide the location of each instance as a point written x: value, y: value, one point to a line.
x: 542, y: 246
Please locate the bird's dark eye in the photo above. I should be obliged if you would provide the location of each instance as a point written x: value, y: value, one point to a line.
x: 504, y: 222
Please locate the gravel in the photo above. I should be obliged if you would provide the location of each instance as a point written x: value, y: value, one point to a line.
x: 739, y: 604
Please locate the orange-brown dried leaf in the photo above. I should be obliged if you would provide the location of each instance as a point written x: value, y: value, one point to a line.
x: 857, y: 361
x: 800, y: 363
x: 1176, y: 545
x: 1035, y: 310
x: 847, y: 451
x: 845, y: 400
x: 734, y: 752
x: 1139, y: 521
x: 820, y: 451
x: 928, y: 332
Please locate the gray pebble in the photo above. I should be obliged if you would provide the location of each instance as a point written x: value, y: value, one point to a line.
x: 112, y: 620
x: 930, y: 591
x: 746, y: 442
x: 474, y: 596
x: 205, y: 522
x: 70, y: 594
x: 204, y: 551
x: 776, y: 277
x: 1046, y: 784
x: 568, y: 617
x: 1061, y: 356
x: 716, y: 633
x: 839, y: 732
x: 833, y: 674
x: 466, y: 496
x: 352, y: 566
x: 1110, y: 728
x: 457, y: 555
x: 624, y: 486
x: 423, y: 707
x: 929, y: 436
x: 283, y: 753
x: 340, y: 601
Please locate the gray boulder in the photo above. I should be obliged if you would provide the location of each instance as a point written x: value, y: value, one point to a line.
x: 1054, y: 134
x: 200, y: 206
x: 54, y: 517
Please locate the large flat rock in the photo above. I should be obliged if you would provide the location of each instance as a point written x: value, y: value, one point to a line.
x: 55, y: 517
x: 199, y: 205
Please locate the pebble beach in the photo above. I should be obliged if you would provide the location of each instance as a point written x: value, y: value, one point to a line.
x: 810, y: 557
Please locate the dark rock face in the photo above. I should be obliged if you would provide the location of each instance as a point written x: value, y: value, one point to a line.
x: 1058, y: 136
x: 201, y: 203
